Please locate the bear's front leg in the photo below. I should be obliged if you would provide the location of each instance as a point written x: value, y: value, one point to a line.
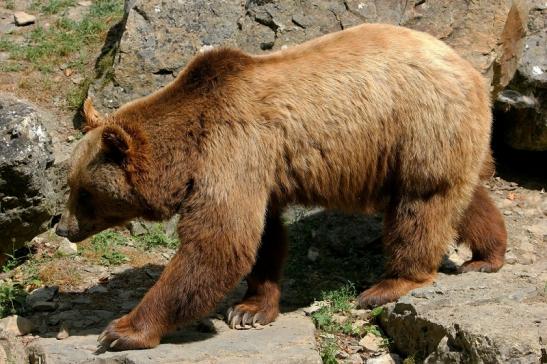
x: 218, y: 248
x: 261, y: 302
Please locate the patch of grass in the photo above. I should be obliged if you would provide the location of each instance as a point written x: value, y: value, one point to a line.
x: 6, y: 45
x: 104, y: 247
x: 410, y: 359
x: 12, y: 299
x: 338, y: 304
x: 31, y: 274
x: 77, y: 95
x: 10, y: 67
x: 155, y: 237
x: 328, y: 351
x: 52, y: 6
x: 65, y: 39
x: 10, y: 4
x: 340, y: 300
x: 10, y: 264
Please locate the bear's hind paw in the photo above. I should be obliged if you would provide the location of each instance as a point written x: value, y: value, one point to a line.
x: 487, y: 266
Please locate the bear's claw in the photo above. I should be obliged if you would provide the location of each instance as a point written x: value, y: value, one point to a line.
x: 241, y: 319
x: 118, y: 335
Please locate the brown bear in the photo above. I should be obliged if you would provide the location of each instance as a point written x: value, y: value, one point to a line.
x: 375, y: 117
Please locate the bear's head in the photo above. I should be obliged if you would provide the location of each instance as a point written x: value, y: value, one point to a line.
x: 102, y: 194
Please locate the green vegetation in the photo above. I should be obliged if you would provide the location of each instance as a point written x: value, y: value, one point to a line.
x: 52, y: 6
x: 335, y: 319
x: 328, y: 351
x: 76, y: 96
x: 111, y: 247
x: 340, y: 302
x: 104, y: 245
x: 410, y: 360
x: 155, y: 236
x: 11, y: 263
x: 64, y: 41
x: 12, y: 299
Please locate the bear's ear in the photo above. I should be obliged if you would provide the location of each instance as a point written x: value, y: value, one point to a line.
x: 91, y: 116
x: 117, y: 143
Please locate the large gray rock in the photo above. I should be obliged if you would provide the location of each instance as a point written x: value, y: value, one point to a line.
x: 484, y: 317
x: 159, y: 39
x: 521, y: 108
x: 289, y: 340
x: 474, y: 318
x: 25, y: 184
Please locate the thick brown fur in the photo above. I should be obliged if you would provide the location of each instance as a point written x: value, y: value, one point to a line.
x: 375, y: 117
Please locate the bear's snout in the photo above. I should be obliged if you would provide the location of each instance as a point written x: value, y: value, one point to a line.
x: 69, y: 227
x: 61, y: 231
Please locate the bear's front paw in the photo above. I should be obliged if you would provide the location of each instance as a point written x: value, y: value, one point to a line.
x: 121, y: 335
x: 251, y: 313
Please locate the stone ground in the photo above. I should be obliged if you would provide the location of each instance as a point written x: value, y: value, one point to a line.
x: 469, y: 318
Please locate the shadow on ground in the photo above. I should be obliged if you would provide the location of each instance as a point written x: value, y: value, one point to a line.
x: 326, y: 251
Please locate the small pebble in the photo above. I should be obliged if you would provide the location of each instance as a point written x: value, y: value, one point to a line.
x: 67, y: 248
x: 371, y: 342
x: 314, y: 307
x: 63, y: 333
x: 21, y: 18
x: 360, y: 313
x: 77, y: 79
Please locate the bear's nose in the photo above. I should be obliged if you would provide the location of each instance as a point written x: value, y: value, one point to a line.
x: 61, y: 231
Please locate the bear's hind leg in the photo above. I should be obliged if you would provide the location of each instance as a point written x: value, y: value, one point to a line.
x: 261, y: 302
x: 483, y: 228
x: 416, y: 234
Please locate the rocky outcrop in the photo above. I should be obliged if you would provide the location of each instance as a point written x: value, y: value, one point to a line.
x: 521, y: 108
x: 290, y: 340
x: 160, y: 38
x: 503, y: 39
x: 26, y: 189
x: 476, y: 318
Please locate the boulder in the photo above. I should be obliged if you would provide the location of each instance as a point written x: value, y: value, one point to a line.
x: 159, y: 39
x: 16, y: 325
x: 26, y: 188
x: 474, y: 318
x: 521, y: 108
